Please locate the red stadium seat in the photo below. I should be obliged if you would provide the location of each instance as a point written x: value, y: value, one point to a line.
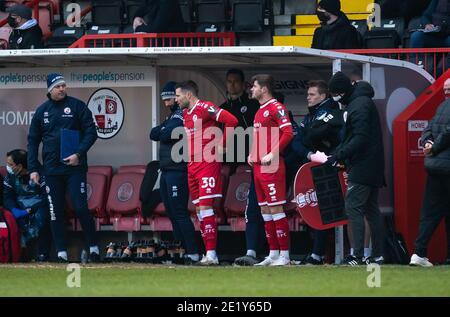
x: 106, y: 170
x: 243, y: 168
x: 3, y: 171
x: 96, y: 192
x: 123, y: 205
x: 5, y: 31
x: 132, y: 169
x: 46, y: 13
x: 236, y: 198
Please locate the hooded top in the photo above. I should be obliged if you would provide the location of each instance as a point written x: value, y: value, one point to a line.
x: 338, y: 35
x: 27, y: 36
x: 362, y: 150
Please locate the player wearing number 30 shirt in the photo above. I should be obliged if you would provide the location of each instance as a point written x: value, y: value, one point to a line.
x: 201, y: 122
x: 272, y: 133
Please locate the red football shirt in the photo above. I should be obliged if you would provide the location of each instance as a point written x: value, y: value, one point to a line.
x: 272, y: 130
x: 202, y: 126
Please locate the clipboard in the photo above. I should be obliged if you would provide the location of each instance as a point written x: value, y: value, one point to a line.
x: 70, y: 141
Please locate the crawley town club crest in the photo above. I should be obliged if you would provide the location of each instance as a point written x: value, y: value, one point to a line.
x: 107, y: 110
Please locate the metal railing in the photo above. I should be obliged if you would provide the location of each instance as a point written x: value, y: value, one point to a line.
x: 156, y: 40
x: 433, y: 60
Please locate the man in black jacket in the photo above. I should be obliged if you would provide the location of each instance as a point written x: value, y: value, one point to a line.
x: 159, y: 16
x: 26, y: 33
x: 320, y: 131
x: 63, y: 173
x: 335, y: 31
x: 436, y: 26
x: 362, y: 153
x: 436, y: 203
x: 174, y: 184
x: 244, y: 109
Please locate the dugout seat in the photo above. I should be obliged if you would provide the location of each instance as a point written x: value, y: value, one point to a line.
x: 96, y: 190
x: 123, y: 205
x: 106, y: 170
x: 132, y: 169
x: 236, y: 198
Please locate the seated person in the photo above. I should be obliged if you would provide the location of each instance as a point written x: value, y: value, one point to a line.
x: 158, y: 16
x: 26, y: 33
x: 27, y: 202
x: 436, y: 27
x: 335, y: 30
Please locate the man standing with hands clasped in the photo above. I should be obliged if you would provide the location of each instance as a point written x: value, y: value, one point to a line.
x: 436, y: 202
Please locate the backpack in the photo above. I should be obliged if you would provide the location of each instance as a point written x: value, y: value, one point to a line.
x: 395, y: 250
x: 149, y: 194
x: 9, y: 238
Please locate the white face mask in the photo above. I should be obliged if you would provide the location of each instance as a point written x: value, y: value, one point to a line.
x: 337, y: 98
x: 9, y: 169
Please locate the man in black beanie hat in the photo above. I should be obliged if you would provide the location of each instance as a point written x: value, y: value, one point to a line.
x: 26, y: 33
x: 362, y: 154
x: 335, y: 31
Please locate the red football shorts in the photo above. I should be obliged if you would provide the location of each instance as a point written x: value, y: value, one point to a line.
x: 205, y: 182
x: 270, y: 187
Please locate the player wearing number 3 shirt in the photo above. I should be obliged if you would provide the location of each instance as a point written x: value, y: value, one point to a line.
x: 201, y: 122
x: 272, y: 133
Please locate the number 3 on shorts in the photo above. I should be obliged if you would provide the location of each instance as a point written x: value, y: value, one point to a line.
x: 208, y: 182
x: 272, y: 189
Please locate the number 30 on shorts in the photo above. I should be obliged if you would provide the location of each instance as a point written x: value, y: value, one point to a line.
x: 208, y: 182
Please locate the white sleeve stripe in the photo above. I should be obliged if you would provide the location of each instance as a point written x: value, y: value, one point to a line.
x: 218, y: 114
x: 285, y: 124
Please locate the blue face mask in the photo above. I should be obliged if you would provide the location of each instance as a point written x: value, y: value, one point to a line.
x: 9, y: 169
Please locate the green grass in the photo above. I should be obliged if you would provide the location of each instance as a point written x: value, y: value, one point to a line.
x: 140, y: 280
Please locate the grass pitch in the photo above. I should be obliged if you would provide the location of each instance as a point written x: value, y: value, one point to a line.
x: 158, y: 280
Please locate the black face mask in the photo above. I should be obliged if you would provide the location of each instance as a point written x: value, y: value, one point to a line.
x: 12, y: 22
x: 323, y: 17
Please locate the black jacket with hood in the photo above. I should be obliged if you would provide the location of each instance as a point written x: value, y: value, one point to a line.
x: 438, y: 132
x: 163, y: 134
x: 28, y: 36
x: 362, y: 149
x: 338, y: 35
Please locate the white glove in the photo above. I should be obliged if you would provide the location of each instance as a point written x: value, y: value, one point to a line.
x: 319, y: 157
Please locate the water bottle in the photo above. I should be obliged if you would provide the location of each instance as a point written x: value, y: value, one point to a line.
x: 83, y: 257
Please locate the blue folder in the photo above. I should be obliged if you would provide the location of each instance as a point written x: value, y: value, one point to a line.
x: 70, y: 141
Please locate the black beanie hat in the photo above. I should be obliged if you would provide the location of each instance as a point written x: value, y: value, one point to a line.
x: 331, y: 6
x: 340, y: 84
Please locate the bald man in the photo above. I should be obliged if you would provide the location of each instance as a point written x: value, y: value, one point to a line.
x: 436, y: 202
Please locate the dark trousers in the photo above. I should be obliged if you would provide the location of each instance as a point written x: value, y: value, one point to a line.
x: 37, y: 225
x: 436, y: 205
x: 421, y: 40
x: 320, y: 241
x: 255, y: 234
x: 75, y: 185
x: 362, y: 200
x: 175, y: 194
